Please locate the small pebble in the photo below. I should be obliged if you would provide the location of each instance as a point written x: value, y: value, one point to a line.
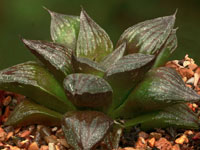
x: 10, y: 134
x: 141, y: 143
x: 25, y: 133
x: 151, y: 142
x: 25, y: 144
x: 186, y: 63
x: 163, y: 144
x: 156, y: 135
x: 17, y: 130
x: 187, y: 58
x: 44, y: 147
x: 54, y: 129
x: 184, y: 79
x: 51, y: 146
x: 182, y: 139
x: 33, y: 146
x: 189, y: 132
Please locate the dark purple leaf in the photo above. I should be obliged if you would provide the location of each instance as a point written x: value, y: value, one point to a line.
x: 177, y: 116
x: 85, y: 65
x: 85, y: 129
x: 34, y: 81
x: 160, y: 88
x: 93, y: 42
x: 126, y: 73
x: 56, y: 57
x: 85, y: 90
x: 148, y: 37
x: 114, y: 56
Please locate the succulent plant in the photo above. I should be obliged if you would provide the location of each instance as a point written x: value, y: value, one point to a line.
x: 85, y: 85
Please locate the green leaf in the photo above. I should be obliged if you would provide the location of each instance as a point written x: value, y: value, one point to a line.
x: 124, y: 75
x: 166, y: 50
x: 178, y: 116
x: 56, y: 57
x: 161, y: 87
x: 34, y: 81
x: 64, y: 29
x: 93, y: 42
x: 85, y: 90
x: 114, y: 56
x: 85, y: 65
x: 149, y: 36
x: 27, y: 113
x: 84, y: 130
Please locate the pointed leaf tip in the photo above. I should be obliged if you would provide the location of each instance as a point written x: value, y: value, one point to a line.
x: 93, y: 42
x: 56, y: 57
x: 85, y: 129
x: 129, y: 63
x: 112, y: 58
x: 161, y: 87
x: 172, y: 86
x: 148, y: 37
x: 64, y: 29
x: 45, y: 8
x: 176, y: 11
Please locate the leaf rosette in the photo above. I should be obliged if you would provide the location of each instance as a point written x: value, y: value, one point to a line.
x: 84, y: 84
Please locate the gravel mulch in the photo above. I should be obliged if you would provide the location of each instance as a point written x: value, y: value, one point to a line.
x: 39, y: 137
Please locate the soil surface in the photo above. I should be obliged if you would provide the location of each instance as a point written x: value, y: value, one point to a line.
x: 39, y: 137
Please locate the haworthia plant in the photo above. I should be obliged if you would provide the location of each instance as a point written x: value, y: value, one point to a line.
x: 85, y: 84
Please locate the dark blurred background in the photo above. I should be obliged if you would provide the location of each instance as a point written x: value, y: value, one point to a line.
x: 28, y: 19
